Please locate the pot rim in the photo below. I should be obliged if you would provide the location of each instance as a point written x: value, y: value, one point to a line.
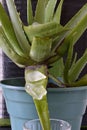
x: 21, y: 87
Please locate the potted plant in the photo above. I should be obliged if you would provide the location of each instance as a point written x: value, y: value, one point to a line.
x: 39, y: 47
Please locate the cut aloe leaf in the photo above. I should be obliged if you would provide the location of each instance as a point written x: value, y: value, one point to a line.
x: 43, y: 113
x: 36, y: 82
x: 37, y: 76
x: 40, y: 49
x: 50, y: 30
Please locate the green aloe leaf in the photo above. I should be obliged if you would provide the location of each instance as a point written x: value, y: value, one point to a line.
x: 77, y: 25
x: 40, y: 11
x: 8, y: 31
x: 57, y: 68
x: 49, y: 11
x: 77, y: 67
x: 51, y: 30
x: 80, y: 82
x: 57, y: 15
x: 74, y: 60
x: 42, y: 110
x: 37, y: 76
x: 68, y: 63
x: 57, y: 41
x: 40, y: 49
x: 10, y: 52
x: 18, y: 27
x: 29, y: 12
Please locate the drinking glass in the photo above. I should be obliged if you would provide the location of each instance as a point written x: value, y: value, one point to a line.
x: 56, y: 124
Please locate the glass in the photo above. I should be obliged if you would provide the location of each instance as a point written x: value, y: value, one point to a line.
x: 56, y: 124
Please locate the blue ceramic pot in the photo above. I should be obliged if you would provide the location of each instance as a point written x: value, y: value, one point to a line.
x: 64, y: 103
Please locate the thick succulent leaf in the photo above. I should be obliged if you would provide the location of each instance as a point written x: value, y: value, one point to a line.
x: 49, y: 11
x: 34, y: 76
x: 40, y: 49
x: 38, y: 91
x: 10, y: 52
x: 68, y: 63
x: 36, y: 86
x: 80, y: 82
x: 57, y: 40
x: 57, y: 15
x: 32, y: 89
x: 51, y: 30
x: 40, y: 11
x: 9, y: 31
x: 29, y: 12
x: 54, y: 58
x: 77, y: 25
x: 74, y: 60
x: 77, y: 67
x: 42, y: 110
x: 77, y: 17
x: 18, y: 27
x: 57, y: 68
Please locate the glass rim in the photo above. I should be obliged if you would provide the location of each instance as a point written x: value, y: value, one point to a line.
x: 52, y: 119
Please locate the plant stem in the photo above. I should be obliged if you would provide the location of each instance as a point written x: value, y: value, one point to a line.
x: 43, y: 113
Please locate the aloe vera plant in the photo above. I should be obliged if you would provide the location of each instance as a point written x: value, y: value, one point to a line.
x: 41, y: 44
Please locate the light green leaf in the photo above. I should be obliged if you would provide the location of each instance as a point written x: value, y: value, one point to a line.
x: 68, y: 63
x: 77, y: 25
x: 57, y: 40
x: 36, y: 86
x: 49, y: 11
x: 10, y: 52
x: 35, y: 75
x: 74, y: 60
x: 29, y: 12
x: 51, y: 30
x: 43, y: 113
x: 77, y: 67
x: 57, y: 68
x: 32, y: 89
x: 81, y: 82
x: 8, y: 31
x: 40, y: 11
x: 40, y: 49
x: 39, y: 87
x: 18, y: 27
x: 57, y: 15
